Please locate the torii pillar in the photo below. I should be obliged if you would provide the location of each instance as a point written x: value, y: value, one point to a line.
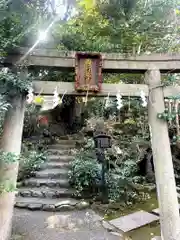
x: 164, y: 172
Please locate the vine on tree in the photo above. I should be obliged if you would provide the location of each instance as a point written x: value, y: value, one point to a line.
x: 8, y: 157
x: 7, y: 186
x: 14, y: 82
x: 171, y: 115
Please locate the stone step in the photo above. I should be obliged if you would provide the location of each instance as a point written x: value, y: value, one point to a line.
x: 61, y: 146
x: 50, y: 165
x: 45, y: 192
x: 62, y: 158
x: 38, y: 182
x: 65, y: 137
x: 46, y: 204
x: 65, y: 142
x: 52, y: 173
x: 59, y: 151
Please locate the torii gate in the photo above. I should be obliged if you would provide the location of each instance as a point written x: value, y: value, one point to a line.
x: 152, y: 66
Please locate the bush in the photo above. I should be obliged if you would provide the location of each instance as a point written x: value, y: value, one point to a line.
x: 85, y: 177
x: 129, y: 169
x: 30, y: 120
x: 121, y: 182
x: 38, y: 144
x: 85, y: 174
x: 30, y: 162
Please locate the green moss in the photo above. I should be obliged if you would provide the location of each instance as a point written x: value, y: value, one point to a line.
x: 7, y: 186
x: 146, y: 232
x: 147, y: 206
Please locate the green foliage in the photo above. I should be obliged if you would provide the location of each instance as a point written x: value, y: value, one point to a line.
x: 129, y: 169
x: 85, y: 173
x: 121, y: 182
x: 141, y: 26
x: 129, y: 124
x: 30, y: 161
x: 85, y: 176
x: 8, y: 157
x: 4, y: 105
x: 20, y: 22
x: 14, y: 83
x: 95, y: 107
x: 166, y: 116
x: 38, y: 143
x: 121, y: 26
x: 7, y: 186
x: 30, y: 120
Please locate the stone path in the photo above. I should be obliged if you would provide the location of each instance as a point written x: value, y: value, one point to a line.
x: 133, y: 221
x: 49, y: 189
x: 76, y: 225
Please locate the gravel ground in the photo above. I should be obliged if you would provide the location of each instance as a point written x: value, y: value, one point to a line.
x: 77, y: 225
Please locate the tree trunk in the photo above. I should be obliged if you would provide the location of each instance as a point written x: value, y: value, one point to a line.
x: 10, y: 142
x: 165, y: 180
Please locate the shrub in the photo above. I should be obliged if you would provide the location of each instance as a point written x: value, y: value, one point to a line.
x: 85, y: 174
x: 30, y: 162
x: 129, y: 169
x: 121, y: 183
x: 30, y: 120
x: 85, y: 177
x: 38, y: 144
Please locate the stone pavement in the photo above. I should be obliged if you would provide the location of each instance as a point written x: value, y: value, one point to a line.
x: 133, y: 221
x: 76, y: 225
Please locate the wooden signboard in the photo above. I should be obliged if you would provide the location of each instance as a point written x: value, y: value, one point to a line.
x: 88, y: 72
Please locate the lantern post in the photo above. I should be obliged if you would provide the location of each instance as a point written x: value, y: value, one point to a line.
x: 102, y: 142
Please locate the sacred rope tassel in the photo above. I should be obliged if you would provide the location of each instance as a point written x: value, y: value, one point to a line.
x: 119, y: 101
x: 143, y: 99
x: 129, y: 114
x: 170, y: 102
x: 80, y: 99
x: 107, y: 102
x: 61, y: 99
x: 129, y: 103
x: 56, y: 98
x: 86, y: 98
x: 30, y: 96
x: 83, y: 99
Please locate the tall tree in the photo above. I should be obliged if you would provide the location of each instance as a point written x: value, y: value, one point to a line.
x: 125, y: 26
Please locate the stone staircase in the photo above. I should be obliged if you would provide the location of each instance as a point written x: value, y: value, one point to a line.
x: 49, y: 189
